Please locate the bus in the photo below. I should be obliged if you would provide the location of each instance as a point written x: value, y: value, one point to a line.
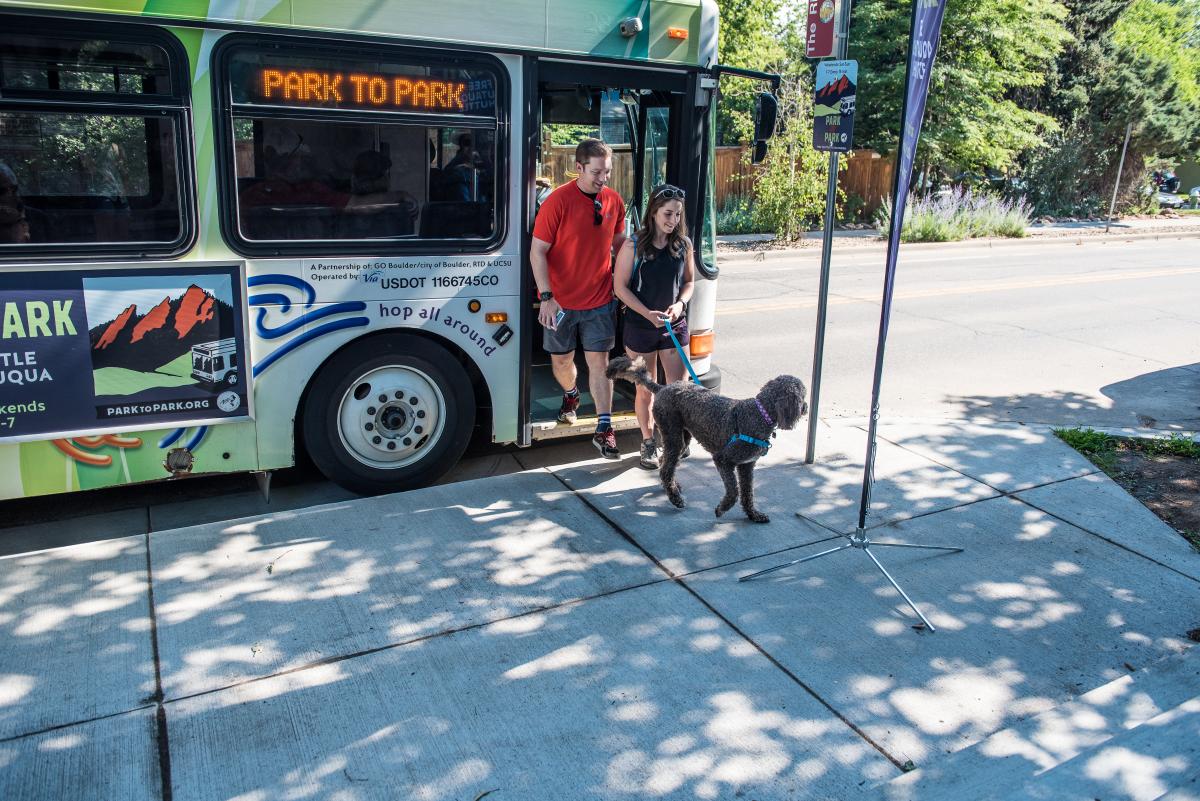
x: 340, y: 197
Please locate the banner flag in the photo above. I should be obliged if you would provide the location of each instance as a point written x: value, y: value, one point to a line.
x: 922, y: 48
x: 923, y: 41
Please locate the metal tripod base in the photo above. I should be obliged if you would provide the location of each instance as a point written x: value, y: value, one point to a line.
x: 859, y: 540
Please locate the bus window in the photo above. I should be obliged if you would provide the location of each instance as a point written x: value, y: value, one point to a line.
x: 75, y: 174
x: 369, y: 150
x: 319, y: 180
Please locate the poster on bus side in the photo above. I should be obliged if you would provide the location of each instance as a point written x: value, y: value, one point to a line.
x: 94, y: 350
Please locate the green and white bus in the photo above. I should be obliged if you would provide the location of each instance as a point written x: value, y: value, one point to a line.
x: 233, y: 230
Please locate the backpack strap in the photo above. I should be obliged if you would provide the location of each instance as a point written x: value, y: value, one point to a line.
x: 636, y: 263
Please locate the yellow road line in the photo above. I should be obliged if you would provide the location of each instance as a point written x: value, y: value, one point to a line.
x: 971, y: 289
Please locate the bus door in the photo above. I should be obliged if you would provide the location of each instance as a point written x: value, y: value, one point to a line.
x: 643, y: 114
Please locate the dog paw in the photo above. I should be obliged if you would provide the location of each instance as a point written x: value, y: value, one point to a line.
x: 758, y: 517
x: 677, y: 500
x: 724, y: 506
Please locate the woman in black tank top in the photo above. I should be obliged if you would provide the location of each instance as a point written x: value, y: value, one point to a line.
x: 654, y: 279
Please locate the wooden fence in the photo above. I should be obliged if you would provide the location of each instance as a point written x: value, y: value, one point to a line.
x: 869, y: 176
x: 866, y: 174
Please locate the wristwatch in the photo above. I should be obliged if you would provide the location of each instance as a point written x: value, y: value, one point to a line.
x: 545, y: 295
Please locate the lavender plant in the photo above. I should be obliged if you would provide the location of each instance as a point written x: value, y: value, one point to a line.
x: 958, y: 214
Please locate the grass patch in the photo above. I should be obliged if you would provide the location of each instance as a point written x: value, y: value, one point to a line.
x: 180, y: 367
x: 120, y: 381
x: 1097, y: 443
x: 1085, y: 440
x: 1097, y: 446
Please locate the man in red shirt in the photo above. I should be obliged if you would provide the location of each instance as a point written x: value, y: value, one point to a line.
x: 578, y: 227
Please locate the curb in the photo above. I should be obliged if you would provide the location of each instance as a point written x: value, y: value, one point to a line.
x: 1066, y: 238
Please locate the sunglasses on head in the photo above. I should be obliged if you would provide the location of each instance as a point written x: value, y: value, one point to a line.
x: 671, y: 193
x: 597, y: 216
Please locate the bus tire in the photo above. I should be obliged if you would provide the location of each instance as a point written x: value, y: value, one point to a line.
x: 390, y: 413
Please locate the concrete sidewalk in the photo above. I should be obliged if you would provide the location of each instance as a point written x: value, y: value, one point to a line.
x: 564, y: 633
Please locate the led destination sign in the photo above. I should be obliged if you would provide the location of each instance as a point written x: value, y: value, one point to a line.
x: 362, y: 89
x: 358, y: 89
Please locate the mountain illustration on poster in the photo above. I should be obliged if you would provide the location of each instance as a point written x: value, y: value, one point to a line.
x: 828, y: 98
x: 142, y: 330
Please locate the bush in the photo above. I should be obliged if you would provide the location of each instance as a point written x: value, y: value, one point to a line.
x: 853, y: 209
x: 957, y: 215
x: 790, y: 187
x: 736, y: 216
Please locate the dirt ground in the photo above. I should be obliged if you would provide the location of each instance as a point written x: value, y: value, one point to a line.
x: 1168, y: 485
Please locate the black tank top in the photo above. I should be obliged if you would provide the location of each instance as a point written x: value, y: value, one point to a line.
x: 655, y: 282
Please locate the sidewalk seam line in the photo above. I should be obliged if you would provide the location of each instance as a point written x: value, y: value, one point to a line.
x: 160, y: 715
x: 1098, y: 535
x: 333, y: 660
x: 678, y: 580
x: 1015, y: 495
x: 60, y: 726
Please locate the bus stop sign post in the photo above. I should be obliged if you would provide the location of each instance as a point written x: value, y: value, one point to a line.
x: 923, y: 41
x: 814, y: 401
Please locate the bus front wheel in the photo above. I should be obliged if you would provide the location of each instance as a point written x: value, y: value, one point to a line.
x: 387, y: 414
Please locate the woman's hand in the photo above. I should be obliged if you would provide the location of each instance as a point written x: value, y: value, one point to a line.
x: 655, y: 316
x: 674, y: 311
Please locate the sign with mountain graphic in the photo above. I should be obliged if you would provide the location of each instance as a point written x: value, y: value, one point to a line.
x: 833, y: 106
x: 118, y: 349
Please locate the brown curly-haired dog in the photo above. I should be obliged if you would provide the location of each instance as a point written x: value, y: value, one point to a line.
x: 735, y: 432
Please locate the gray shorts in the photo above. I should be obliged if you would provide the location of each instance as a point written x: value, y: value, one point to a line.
x: 595, y: 329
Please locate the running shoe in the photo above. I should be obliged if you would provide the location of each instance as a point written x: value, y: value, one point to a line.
x: 606, y: 442
x: 648, y: 455
x: 568, y: 412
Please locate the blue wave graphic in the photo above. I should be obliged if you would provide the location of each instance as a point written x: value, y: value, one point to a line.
x: 284, y: 304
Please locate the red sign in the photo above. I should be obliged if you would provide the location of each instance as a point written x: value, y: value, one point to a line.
x: 822, y: 19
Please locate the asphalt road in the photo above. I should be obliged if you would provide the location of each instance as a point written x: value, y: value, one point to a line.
x: 1098, y: 333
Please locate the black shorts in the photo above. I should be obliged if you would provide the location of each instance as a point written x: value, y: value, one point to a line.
x: 649, y: 340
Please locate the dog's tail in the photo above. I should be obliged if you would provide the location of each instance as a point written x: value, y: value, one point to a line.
x: 632, y: 370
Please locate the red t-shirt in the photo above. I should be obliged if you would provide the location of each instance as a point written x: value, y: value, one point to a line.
x: 580, y: 251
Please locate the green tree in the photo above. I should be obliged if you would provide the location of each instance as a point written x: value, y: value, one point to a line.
x: 991, y: 50
x: 750, y: 38
x: 1131, y: 61
x: 789, y: 190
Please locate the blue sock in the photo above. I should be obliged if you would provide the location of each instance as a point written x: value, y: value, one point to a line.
x: 572, y: 393
x: 603, y: 422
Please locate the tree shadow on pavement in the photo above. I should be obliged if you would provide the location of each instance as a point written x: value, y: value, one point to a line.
x: 1164, y: 399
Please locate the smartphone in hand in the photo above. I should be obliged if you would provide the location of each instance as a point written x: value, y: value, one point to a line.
x: 558, y: 318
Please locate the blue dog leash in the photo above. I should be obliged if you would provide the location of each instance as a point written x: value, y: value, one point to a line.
x: 682, y: 355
